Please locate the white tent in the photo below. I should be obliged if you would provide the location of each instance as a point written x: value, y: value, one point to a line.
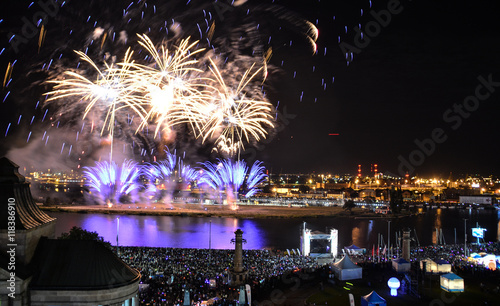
x: 437, y: 267
x: 345, y: 269
x: 401, y: 265
x: 452, y: 283
x: 428, y: 265
x: 442, y: 266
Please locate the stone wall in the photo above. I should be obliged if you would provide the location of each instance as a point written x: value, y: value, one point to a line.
x: 27, y: 240
x: 114, y: 296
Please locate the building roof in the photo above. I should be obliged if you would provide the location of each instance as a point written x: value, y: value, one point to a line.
x: 346, y: 263
x: 442, y: 262
x: 14, y: 186
x: 78, y: 265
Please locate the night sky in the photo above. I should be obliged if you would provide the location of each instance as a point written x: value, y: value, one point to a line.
x: 407, y: 84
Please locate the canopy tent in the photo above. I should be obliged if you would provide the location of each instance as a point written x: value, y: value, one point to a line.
x: 401, y: 265
x: 438, y: 266
x: 443, y: 266
x: 489, y: 261
x: 354, y: 250
x: 452, y: 283
x: 345, y: 269
x: 373, y: 299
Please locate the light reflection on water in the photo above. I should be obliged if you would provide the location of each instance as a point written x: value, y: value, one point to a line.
x: 498, y: 231
x: 185, y: 232
x: 194, y: 232
x: 437, y: 226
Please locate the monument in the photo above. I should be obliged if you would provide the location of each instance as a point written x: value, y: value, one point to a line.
x: 406, y: 245
x: 238, y: 273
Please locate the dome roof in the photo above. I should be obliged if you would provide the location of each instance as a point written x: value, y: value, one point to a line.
x: 78, y: 265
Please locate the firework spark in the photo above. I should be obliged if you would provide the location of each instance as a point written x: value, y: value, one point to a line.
x: 163, y: 88
x: 233, y: 117
x: 112, y: 90
x: 109, y: 183
x: 172, y: 87
x: 233, y: 178
x: 256, y: 175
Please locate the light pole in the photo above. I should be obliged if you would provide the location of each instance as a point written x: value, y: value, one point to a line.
x: 210, y: 244
x: 117, y: 232
x: 389, y: 238
x: 465, y: 237
x: 210, y: 236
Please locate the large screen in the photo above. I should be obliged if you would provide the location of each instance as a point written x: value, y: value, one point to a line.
x: 478, y: 232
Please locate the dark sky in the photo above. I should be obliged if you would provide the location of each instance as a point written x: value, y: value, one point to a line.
x: 398, y: 89
x: 395, y: 91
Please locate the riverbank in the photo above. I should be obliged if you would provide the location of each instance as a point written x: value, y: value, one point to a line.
x: 243, y: 211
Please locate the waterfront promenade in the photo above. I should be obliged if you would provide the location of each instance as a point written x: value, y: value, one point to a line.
x: 199, y: 210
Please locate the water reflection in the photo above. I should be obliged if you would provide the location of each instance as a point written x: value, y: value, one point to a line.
x: 437, y: 227
x: 165, y: 231
x: 192, y: 232
x: 498, y: 231
x: 370, y: 227
x: 361, y: 232
x: 355, y: 234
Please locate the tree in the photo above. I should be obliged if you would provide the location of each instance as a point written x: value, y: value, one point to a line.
x: 78, y: 233
x: 48, y: 201
x: 396, y: 200
x: 267, y: 189
x: 304, y: 189
x: 349, y: 205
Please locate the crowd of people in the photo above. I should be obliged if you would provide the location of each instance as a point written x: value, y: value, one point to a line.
x: 167, y: 273
x: 455, y: 255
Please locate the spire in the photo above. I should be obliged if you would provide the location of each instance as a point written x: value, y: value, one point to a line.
x: 14, y: 189
x: 9, y: 172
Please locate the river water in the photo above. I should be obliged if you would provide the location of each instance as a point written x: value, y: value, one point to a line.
x: 214, y: 232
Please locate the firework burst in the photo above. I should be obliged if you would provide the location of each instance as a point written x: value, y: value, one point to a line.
x: 233, y: 117
x: 109, y: 183
x: 113, y: 91
x: 256, y: 175
x: 232, y: 178
x: 165, y: 87
x: 172, y: 85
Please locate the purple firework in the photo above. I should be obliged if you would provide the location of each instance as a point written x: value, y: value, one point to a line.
x: 109, y: 182
x: 230, y: 176
x: 256, y: 175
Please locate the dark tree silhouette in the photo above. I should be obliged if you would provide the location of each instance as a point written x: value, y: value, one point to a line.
x: 396, y: 200
x: 78, y: 233
x: 349, y: 205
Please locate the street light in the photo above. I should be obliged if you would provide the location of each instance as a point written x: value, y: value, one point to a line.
x: 465, y: 237
x: 389, y: 238
x: 117, y: 232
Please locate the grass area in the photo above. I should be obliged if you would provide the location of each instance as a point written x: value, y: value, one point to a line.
x: 430, y: 290
x: 338, y: 293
